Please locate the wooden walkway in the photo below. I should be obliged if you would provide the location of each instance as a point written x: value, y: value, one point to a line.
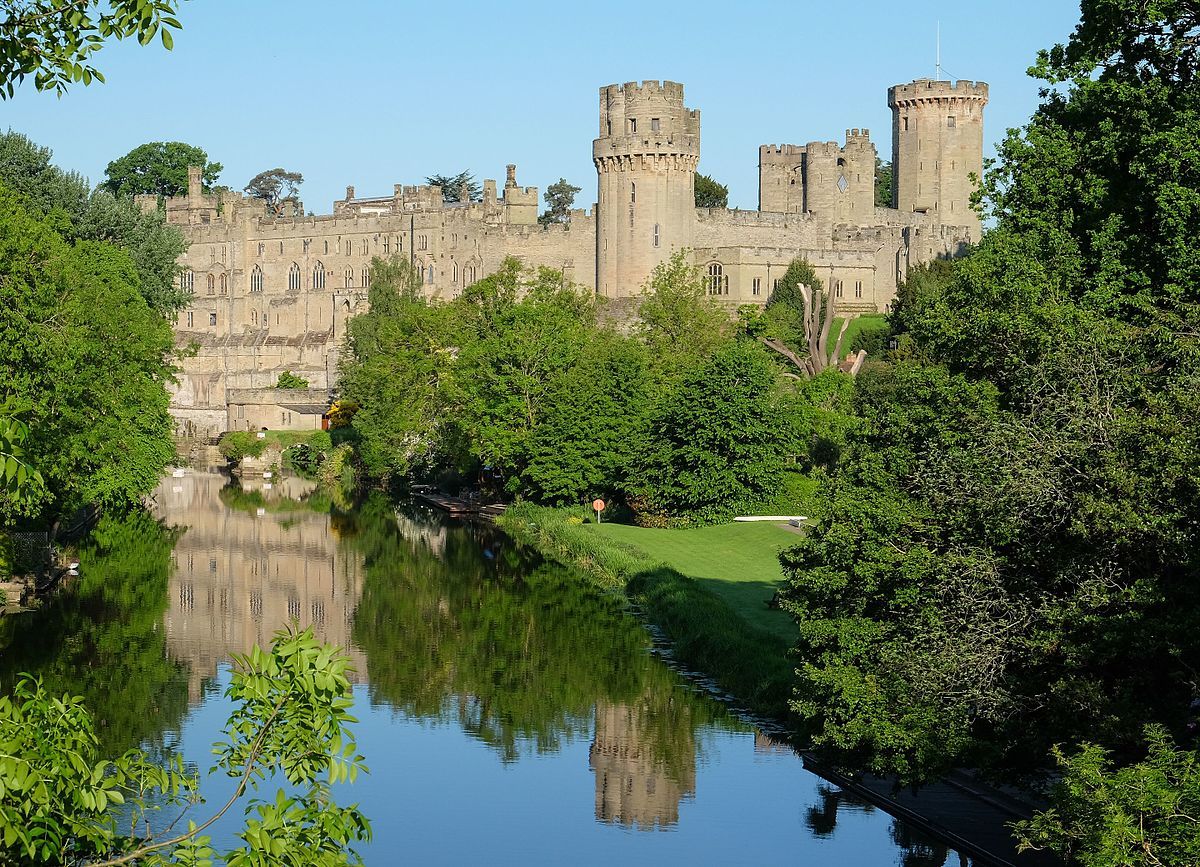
x: 456, y: 507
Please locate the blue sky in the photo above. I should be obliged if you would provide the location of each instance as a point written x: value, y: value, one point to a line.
x: 374, y: 93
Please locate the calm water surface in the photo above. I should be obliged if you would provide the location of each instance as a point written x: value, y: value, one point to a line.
x: 509, y: 713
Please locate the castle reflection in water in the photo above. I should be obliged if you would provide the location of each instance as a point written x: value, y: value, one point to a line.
x: 256, y: 557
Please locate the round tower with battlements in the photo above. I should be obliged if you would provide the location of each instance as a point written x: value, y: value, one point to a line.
x: 937, y: 144
x: 646, y: 158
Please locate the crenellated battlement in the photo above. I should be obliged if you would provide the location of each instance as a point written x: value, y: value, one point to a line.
x: 772, y: 152
x: 926, y: 90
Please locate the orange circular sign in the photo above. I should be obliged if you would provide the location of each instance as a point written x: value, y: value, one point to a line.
x: 598, y: 505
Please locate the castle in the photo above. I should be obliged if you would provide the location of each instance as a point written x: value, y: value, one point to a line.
x: 273, y: 294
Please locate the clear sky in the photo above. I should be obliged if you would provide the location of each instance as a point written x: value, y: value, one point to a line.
x: 374, y: 93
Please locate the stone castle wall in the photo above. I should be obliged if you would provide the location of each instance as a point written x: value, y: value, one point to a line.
x: 274, y: 294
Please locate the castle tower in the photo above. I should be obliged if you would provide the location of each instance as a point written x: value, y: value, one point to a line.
x: 646, y: 159
x: 937, y: 143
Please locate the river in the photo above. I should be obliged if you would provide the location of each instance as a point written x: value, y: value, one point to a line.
x: 510, y: 712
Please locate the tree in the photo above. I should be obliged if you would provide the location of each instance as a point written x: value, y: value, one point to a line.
x: 54, y: 40
x: 19, y: 479
x: 152, y: 243
x: 710, y: 194
x: 287, y: 379
x: 277, y: 188
x: 89, y: 359
x: 883, y: 183
x: 712, y: 448
x: 801, y: 314
x: 677, y: 320
x: 160, y: 169
x: 560, y: 198
x: 457, y: 188
x: 64, y: 802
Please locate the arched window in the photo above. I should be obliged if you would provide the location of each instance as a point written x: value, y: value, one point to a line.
x: 454, y: 279
x: 349, y: 278
x: 633, y: 191
x: 349, y: 247
x: 212, y: 285
x: 429, y: 275
x: 319, y: 275
x: 366, y: 277
x: 294, y: 277
x: 256, y: 279
x: 718, y: 283
x: 326, y: 248
x: 224, y: 285
x: 837, y: 288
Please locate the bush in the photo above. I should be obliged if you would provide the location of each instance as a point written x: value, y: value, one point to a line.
x: 287, y: 379
x: 237, y: 444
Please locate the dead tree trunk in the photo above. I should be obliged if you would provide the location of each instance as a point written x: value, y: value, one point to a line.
x: 817, y: 316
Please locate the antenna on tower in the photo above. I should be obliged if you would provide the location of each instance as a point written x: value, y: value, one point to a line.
x: 937, y: 74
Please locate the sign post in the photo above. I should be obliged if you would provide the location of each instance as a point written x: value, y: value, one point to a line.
x: 598, y: 505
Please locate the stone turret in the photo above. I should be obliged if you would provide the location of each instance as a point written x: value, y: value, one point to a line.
x: 937, y: 143
x: 646, y: 158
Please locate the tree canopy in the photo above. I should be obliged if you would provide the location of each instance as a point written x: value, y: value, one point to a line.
x: 159, y: 168
x: 55, y: 41
x: 277, y: 188
x: 710, y: 193
x: 560, y: 198
x: 461, y: 187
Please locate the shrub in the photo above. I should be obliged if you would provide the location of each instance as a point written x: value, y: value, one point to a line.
x: 237, y: 444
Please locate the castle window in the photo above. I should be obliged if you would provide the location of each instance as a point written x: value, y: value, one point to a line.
x: 608, y: 127
x: 212, y: 318
x: 349, y: 278
x: 454, y: 279
x: 654, y: 124
x: 294, y: 276
x: 858, y: 288
x: 212, y: 285
x: 253, y: 317
x: 224, y: 285
x: 429, y: 275
x: 256, y: 279
x: 632, y: 124
x: 951, y: 122
x: 842, y: 184
x: 756, y: 285
x: 906, y: 124
x: 718, y: 283
x: 422, y: 242
x: 632, y: 191
x: 281, y: 248
x: 306, y: 243
x: 186, y: 281
x: 326, y: 248
x: 318, y: 281
x: 837, y: 288
x: 262, y: 248
x: 387, y: 243
x: 656, y: 234
x: 189, y: 318
x: 366, y: 278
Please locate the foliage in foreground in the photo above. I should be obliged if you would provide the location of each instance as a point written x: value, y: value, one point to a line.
x: 63, y: 802
x: 1145, y: 814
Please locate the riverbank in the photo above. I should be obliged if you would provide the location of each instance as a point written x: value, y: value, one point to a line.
x: 713, y: 625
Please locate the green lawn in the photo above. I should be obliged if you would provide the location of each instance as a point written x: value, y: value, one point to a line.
x: 738, y: 562
x: 857, y: 324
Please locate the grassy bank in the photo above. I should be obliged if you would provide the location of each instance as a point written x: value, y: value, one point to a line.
x: 716, y: 618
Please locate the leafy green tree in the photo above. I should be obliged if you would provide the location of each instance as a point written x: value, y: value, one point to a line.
x: 560, y: 198
x: 159, y: 168
x: 83, y: 351
x: 883, y: 183
x: 712, y: 448
x: 595, y: 418
x: 287, y: 379
x: 397, y: 370
x: 677, y: 320
x: 277, y: 189
x: 54, y: 40
x: 78, y: 214
x: 710, y: 194
x: 18, y: 478
x: 520, y: 330
x: 1143, y: 814
x: 60, y: 795
x: 457, y: 188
